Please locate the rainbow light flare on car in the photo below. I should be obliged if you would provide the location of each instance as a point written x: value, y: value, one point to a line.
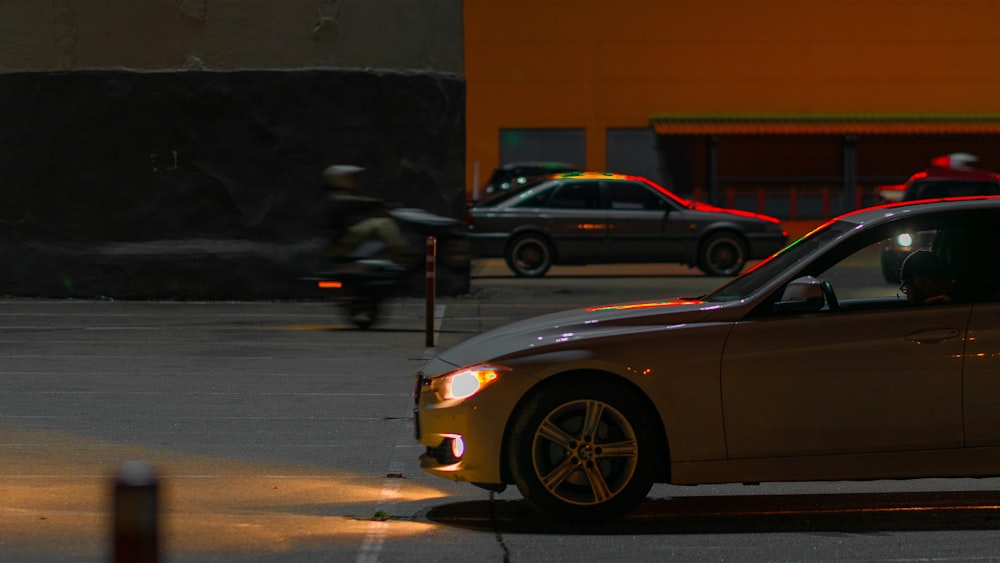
x: 646, y: 305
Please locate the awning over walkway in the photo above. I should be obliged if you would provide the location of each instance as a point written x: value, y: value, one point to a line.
x: 825, y: 124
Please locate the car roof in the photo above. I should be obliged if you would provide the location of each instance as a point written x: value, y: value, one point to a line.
x: 887, y: 212
x: 583, y: 175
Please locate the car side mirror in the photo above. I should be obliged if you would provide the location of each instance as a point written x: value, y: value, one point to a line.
x: 802, y: 295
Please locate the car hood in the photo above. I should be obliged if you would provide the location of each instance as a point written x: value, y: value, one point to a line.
x: 536, y: 333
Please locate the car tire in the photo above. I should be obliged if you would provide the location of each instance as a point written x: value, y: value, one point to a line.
x: 566, y: 469
x: 722, y: 254
x: 530, y: 256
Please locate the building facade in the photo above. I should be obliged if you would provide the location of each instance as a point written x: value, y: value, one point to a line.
x: 722, y: 100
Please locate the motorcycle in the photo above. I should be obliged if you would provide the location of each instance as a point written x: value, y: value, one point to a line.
x: 363, y: 280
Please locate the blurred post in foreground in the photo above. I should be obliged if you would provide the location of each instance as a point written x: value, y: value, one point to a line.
x: 136, y: 514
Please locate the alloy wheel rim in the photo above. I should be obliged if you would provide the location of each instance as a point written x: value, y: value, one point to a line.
x: 585, y: 452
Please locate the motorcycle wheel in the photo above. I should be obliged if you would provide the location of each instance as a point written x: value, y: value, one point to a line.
x: 363, y: 313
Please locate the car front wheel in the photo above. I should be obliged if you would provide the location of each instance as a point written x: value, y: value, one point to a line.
x: 722, y: 254
x: 530, y: 256
x: 583, y: 452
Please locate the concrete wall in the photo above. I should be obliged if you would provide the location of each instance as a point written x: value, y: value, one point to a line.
x: 173, y: 149
x: 421, y: 35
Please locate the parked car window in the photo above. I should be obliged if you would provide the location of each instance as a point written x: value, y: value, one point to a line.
x: 576, y: 195
x: 515, y: 175
x: 633, y: 196
x: 950, y: 188
x: 532, y: 198
x: 518, y: 192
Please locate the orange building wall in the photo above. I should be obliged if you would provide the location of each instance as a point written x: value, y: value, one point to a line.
x: 597, y: 64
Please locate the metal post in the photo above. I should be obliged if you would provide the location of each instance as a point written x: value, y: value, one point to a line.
x: 136, y: 514
x: 850, y: 172
x: 475, y: 181
x: 712, y: 172
x: 431, y: 288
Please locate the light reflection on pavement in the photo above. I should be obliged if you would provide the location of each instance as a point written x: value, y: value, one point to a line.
x: 57, y: 490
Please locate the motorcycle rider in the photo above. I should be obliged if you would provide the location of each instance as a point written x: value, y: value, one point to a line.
x: 356, y: 218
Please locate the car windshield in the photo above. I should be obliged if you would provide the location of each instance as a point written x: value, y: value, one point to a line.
x: 790, y: 257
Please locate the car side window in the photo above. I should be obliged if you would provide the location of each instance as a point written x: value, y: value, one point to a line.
x: 633, y: 197
x: 863, y: 272
x: 575, y: 195
x: 944, y: 188
x: 870, y: 276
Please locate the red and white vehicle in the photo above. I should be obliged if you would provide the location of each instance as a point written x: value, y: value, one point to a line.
x: 951, y: 175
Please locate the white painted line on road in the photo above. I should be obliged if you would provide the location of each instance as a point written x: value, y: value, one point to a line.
x: 371, y: 547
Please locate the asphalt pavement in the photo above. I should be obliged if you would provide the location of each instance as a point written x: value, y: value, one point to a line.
x: 278, y: 432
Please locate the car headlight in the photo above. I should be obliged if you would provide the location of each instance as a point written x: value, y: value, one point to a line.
x: 466, y: 382
x: 904, y: 240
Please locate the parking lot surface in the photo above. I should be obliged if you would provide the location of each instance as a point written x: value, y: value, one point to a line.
x: 278, y: 432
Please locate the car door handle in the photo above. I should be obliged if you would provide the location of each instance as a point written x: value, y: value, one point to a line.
x: 933, y: 336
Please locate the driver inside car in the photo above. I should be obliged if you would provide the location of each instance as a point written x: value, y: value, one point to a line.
x: 925, y: 279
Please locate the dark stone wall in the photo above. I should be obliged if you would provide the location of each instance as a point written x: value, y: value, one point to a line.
x: 207, y: 185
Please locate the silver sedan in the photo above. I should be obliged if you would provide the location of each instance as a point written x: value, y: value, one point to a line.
x: 808, y: 367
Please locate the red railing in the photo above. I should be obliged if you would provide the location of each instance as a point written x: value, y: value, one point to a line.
x: 790, y: 203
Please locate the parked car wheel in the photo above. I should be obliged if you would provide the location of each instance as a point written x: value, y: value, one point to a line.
x: 530, y: 256
x: 722, y: 254
x: 583, y: 452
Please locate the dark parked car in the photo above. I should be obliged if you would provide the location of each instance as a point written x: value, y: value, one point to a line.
x: 517, y: 174
x: 603, y: 218
x: 809, y: 367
